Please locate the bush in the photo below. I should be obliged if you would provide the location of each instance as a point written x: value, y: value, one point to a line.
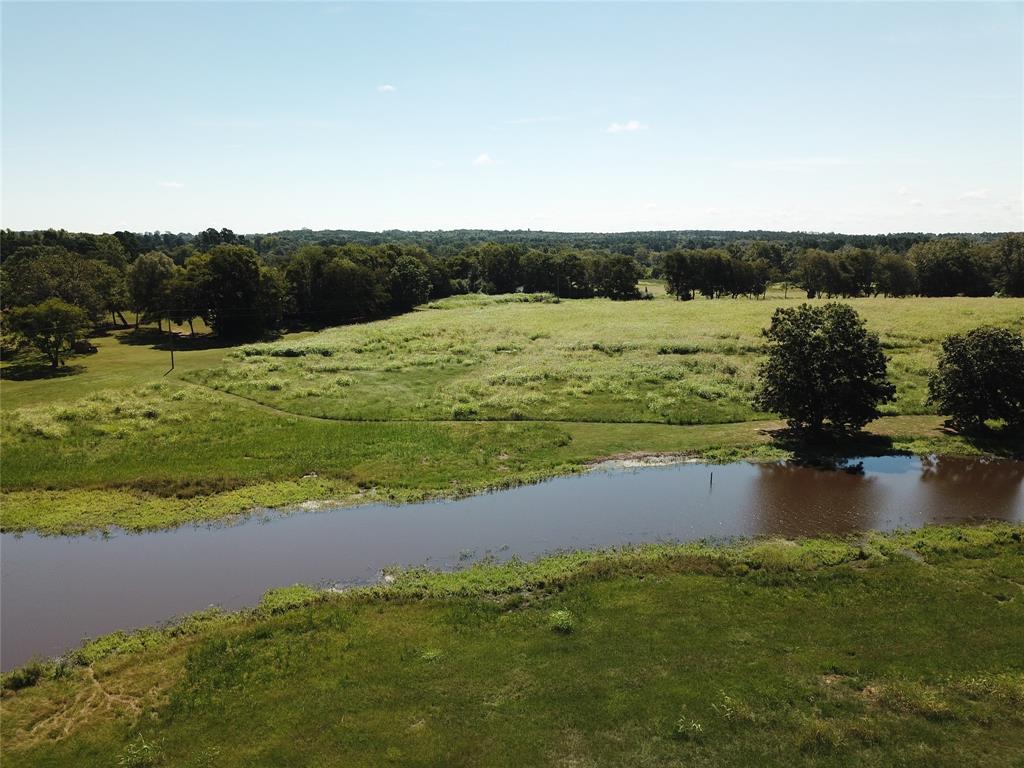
x: 562, y: 622
x: 23, y: 677
x: 823, y: 365
x: 980, y: 376
x: 141, y: 754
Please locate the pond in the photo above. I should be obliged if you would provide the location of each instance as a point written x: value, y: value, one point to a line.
x: 59, y: 590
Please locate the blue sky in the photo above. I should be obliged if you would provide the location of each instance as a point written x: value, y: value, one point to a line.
x: 853, y: 117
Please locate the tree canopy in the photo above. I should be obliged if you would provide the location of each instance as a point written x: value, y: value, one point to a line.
x: 980, y: 376
x: 52, y: 326
x: 823, y: 365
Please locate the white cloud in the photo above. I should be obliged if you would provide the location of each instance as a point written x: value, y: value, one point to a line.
x: 651, y: 206
x: 629, y: 126
x: 483, y: 159
x: 975, y: 194
x: 172, y: 184
x: 917, y: 203
x: 386, y: 88
x: 903, y: 191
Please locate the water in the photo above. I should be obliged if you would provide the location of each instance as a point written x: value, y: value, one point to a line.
x: 58, y: 590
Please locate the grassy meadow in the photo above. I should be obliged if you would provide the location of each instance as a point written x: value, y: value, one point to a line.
x: 768, y: 653
x: 463, y: 394
x: 484, y: 357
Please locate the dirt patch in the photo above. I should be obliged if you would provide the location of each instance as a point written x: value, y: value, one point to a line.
x: 637, y: 459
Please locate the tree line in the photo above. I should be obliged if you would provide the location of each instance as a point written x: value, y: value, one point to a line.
x: 55, y: 285
x: 244, y: 286
x: 948, y: 266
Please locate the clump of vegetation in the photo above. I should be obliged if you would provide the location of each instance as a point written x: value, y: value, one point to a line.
x: 283, y: 599
x: 24, y: 676
x: 562, y: 622
x: 980, y: 376
x: 823, y: 365
x: 141, y: 754
x: 688, y: 729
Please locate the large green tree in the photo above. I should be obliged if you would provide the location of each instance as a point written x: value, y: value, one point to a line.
x: 51, y: 326
x: 37, y: 273
x: 147, y: 282
x: 823, y: 365
x: 951, y: 266
x: 240, y: 299
x: 408, y: 283
x: 1008, y: 257
x: 980, y: 375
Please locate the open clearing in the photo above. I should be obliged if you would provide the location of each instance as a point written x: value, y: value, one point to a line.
x: 465, y: 394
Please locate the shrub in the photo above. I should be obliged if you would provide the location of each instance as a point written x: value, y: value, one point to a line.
x: 562, y: 622
x: 980, y: 376
x: 23, y: 677
x: 823, y: 365
x: 141, y: 754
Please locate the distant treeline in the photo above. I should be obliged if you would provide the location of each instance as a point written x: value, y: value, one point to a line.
x: 243, y: 286
x: 947, y: 266
x: 221, y: 278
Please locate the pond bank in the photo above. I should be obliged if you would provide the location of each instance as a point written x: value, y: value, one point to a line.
x: 715, y: 636
x: 59, y: 589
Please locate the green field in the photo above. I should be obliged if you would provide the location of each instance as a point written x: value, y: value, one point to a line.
x: 463, y: 394
x: 888, y: 650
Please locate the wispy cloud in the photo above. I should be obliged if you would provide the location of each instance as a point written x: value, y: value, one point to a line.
x: 630, y: 126
x: 903, y: 191
x: 483, y: 159
x: 534, y: 120
x: 386, y: 88
x: 172, y: 184
x: 975, y: 194
x: 795, y: 163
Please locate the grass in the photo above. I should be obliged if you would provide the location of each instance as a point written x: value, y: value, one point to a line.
x: 465, y: 394
x: 659, y: 361
x: 766, y: 652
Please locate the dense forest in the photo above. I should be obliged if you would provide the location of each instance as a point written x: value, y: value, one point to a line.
x: 245, y: 285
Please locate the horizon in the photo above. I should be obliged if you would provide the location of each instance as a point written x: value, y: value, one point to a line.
x: 612, y: 117
x: 566, y: 232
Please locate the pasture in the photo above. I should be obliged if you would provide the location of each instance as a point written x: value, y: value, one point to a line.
x: 463, y: 394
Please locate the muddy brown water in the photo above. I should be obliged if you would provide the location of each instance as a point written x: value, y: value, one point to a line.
x: 58, y: 590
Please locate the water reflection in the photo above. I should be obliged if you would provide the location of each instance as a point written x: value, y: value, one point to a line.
x: 789, y: 500
x: 964, y: 488
x: 57, y: 590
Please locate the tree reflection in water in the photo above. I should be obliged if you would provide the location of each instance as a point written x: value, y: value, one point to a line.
x: 792, y: 500
x: 960, y: 487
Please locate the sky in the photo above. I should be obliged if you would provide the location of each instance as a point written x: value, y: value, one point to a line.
x: 862, y: 117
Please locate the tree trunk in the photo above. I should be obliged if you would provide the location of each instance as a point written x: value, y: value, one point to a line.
x: 136, y: 321
x: 191, y: 330
x: 123, y: 321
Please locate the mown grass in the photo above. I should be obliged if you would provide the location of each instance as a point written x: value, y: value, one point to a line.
x: 758, y: 653
x: 476, y: 393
